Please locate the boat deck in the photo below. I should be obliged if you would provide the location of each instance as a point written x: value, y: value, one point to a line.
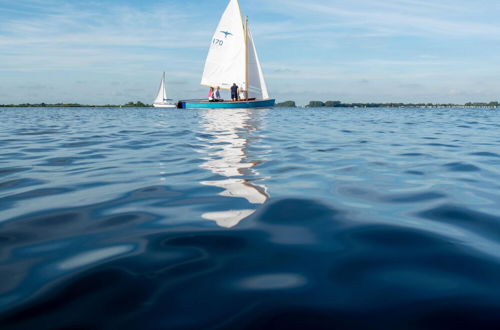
x: 223, y: 101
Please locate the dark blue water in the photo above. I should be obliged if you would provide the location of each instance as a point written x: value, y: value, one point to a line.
x: 318, y: 218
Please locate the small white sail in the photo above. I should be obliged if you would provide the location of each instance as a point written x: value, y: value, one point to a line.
x: 225, y: 63
x: 162, y: 100
x: 162, y: 93
x: 256, y: 83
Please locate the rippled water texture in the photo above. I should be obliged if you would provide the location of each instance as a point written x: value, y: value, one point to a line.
x: 319, y: 218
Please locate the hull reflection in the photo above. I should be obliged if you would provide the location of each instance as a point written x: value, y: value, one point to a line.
x: 228, y: 137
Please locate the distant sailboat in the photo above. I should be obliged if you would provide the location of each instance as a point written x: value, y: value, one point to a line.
x: 161, y: 100
x: 232, y: 58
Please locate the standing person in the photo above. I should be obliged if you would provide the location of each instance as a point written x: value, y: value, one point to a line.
x: 211, y: 94
x: 217, y: 95
x: 234, y: 92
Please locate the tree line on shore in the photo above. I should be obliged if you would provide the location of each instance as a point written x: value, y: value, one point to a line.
x: 137, y: 104
x: 339, y: 104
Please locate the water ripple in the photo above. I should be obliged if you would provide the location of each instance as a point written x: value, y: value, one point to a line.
x: 290, y: 218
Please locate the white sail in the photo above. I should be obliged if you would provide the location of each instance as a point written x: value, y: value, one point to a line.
x: 225, y: 63
x: 256, y: 83
x: 162, y: 93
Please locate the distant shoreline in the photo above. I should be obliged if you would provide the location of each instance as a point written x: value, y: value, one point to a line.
x: 137, y: 104
x: 286, y: 104
x: 339, y: 104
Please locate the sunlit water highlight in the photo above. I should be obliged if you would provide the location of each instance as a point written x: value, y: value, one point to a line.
x: 293, y: 218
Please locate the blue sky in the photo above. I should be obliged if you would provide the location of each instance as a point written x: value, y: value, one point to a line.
x: 350, y: 50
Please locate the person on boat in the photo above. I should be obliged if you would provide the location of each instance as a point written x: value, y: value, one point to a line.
x: 217, y: 95
x: 211, y: 94
x: 234, y: 92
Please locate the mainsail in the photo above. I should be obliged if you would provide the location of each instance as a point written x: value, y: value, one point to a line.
x: 225, y: 63
x: 232, y: 57
x: 162, y: 93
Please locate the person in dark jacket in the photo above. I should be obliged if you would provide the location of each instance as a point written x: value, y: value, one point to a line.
x: 234, y: 92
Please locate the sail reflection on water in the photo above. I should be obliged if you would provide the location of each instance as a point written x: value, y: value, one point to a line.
x: 229, y: 135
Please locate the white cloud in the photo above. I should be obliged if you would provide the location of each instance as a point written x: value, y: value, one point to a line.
x: 397, y: 17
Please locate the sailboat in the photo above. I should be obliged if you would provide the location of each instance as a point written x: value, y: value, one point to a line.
x: 161, y: 100
x: 232, y: 59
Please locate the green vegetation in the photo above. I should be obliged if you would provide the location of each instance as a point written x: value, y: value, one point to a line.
x: 137, y: 104
x: 286, y: 104
x: 332, y: 104
x: 315, y: 104
x: 491, y: 104
x: 43, y: 105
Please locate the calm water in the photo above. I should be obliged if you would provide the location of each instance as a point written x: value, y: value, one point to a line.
x: 346, y: 218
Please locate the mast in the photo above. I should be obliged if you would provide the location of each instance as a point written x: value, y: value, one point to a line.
x: 246, y: 58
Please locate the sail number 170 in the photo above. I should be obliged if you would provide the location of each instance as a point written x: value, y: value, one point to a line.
x: 218, y: 42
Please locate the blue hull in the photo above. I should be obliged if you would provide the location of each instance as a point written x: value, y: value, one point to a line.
x: 202, y: 104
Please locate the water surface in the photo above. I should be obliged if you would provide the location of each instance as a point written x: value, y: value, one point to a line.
x: 298, y: 218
